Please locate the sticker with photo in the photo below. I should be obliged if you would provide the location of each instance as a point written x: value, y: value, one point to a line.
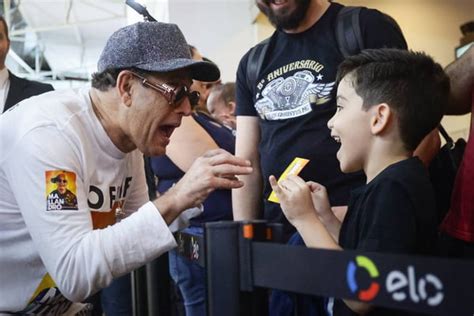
x: 61, y: 190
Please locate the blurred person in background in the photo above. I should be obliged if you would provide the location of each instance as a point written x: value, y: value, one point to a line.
x: 202, y: 87
x: 12, y: 88
x: 221, y: 104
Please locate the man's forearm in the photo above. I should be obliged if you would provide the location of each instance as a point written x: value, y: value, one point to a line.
x: 247, y: 201
x: 167, y: 208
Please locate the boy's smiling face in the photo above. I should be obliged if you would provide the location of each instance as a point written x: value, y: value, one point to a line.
x: 350, y: 126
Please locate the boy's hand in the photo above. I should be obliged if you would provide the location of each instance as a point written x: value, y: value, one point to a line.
x: 295, y: 198
x: 320, y: 199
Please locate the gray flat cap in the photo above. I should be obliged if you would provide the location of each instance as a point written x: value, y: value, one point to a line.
x: 156, y: 47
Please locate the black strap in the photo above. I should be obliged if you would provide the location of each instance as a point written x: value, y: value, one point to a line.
x: 348, y: 33
x: 255, y: 61
x: 237, y: 261
x: 445, y: 135
x: 436, y: 286
x: 432, y: 285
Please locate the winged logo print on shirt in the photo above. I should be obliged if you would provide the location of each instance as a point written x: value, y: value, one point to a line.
x: 289, y: 98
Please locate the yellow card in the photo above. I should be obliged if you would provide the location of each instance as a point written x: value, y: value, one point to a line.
x: 295, y: 168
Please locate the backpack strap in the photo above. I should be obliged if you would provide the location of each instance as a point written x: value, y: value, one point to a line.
x: 445, y: 135
x: 255, y: 62
x: 348, y: 33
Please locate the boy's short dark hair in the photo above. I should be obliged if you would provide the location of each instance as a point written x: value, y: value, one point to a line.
x: 411, y: 83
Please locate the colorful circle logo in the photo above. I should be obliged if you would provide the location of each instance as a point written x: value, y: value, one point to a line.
x: 362, y: 262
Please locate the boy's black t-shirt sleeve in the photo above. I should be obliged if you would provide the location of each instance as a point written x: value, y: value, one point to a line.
x: 388, y: 223
x: 379, y: 32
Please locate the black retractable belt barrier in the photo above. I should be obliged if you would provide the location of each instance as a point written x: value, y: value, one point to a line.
x: 431, y: 285
x: 239, y: 265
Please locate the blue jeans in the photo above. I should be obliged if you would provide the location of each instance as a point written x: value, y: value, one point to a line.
x: 190, y: 278
x: 288, y: 304
x: 116, y: 299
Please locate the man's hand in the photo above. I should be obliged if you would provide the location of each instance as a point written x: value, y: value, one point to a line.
x: 216, y: 169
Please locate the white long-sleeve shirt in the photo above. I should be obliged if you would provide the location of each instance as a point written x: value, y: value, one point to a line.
x: 47, y: 241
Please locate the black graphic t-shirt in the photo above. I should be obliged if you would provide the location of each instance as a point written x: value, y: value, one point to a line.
x: 298, y: 66
x: 394, y: 213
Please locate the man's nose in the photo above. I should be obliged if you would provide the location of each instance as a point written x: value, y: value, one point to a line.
x: 185, y: 107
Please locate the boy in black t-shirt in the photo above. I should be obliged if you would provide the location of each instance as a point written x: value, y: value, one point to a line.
x: 387, y: 101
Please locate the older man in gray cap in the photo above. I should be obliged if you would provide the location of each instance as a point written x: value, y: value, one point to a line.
x: 51, y: 255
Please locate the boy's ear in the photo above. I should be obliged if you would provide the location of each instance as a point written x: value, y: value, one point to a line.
x: 381, y: 118
x: 124, y: 86
x: 231, y: 105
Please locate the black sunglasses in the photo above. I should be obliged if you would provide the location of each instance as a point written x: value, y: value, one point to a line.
x: 174, y: 95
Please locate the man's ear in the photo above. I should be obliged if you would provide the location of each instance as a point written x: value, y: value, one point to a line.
x: 124, y: 86
x: 381, y: 118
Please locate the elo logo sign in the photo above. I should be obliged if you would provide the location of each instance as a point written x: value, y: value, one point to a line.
x: 370, y: 292
x: 400, y: 286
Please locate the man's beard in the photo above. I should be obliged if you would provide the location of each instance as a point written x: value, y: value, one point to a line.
x: 285, y: 21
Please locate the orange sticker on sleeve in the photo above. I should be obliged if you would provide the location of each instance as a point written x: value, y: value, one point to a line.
x: 61, y: 190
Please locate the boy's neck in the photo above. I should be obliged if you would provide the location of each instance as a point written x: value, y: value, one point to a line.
x: 377, y: 163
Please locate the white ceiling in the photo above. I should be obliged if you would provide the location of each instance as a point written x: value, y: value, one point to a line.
x: 72, y: 33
